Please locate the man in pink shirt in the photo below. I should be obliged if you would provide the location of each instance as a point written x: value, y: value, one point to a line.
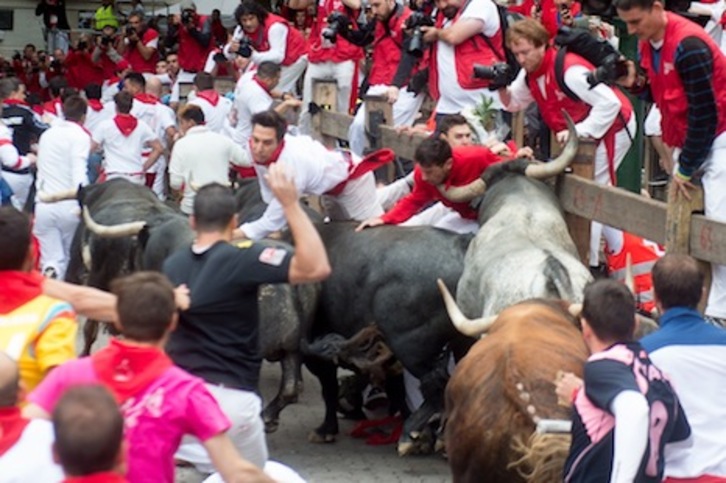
x: 159, y: 401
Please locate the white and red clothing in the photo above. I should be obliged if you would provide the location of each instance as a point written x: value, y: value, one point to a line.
x: 81, y: 70
x: 11, y: 158
x: 123, y: 140
x: 468, y: 163
x: 192, y: 54
x: 160, y: 119
x: 215, y: 108
x: 150, y: 39
x: 26, y: 448
x: 98, y: 112
x: 250, y: 97
x: 316, y: 171
x: 159, y: 401
x: 451, y: 79
x: 63, y: 153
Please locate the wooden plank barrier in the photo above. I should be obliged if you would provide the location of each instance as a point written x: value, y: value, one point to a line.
x: 379, y: 113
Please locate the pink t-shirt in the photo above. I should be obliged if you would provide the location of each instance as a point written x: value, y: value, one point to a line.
x: 175, y: 404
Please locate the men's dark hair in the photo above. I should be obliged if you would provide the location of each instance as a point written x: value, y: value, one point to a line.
x: 190, y: 112
x: 678, y: 281
x: 204, y: 81
x: 609, y: 308
x: 137, y: 15
x: 88, y: 430
x: 268, y: 70
x: 145, y: 305
x: 432, y: 152
x: 449, y: 121
x: 15, y: 238
x: 250, y: 7
x: 136, y: 78
x: 123, y: 101
x: 9, y: 381
x: 271, y: 119
x: 74, y: 108
x: 93, y: 91
x: 8, y: 86
x: 214, y: 208
x: 630, y: 4
x: 56, y: 85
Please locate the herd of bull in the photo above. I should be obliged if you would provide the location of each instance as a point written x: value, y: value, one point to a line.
x: 384, y: 282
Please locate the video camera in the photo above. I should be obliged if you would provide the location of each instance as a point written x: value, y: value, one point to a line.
x: 106, y: 40
x: 612, y: 68
x: 245, y: 48
x: 187, y: 17
x: 417, y: 20
x: 500, y: 74
x: 337, y: 21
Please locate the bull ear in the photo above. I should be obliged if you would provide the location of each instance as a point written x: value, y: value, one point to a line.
x: 143, y: 236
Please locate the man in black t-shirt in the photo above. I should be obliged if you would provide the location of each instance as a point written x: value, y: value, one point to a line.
x: 217, y: 337
x: 626, y: 411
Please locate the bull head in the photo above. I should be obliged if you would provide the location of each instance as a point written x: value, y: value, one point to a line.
x: 536, y: 169
x: 113, y: 231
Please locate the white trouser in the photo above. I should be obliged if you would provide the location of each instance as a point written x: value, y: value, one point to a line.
x: 20, y: 184
x: 404, y: 113
x: 54, y: 226
x: 274, y: 469
x: 341, y: 73
x: 602, y: 176
x: 356, y: 202
x: 159, y: 186
x: 388, y: 195
x: 183, y: 77
x: 651, y: 126
x: 247, y: 431
x: 134, y: 178
x: 713, y: 27
x: 289, y: 74
x: 440, y: 216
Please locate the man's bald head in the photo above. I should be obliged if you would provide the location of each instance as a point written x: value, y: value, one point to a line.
x: 153, y: 86
x: 9, y: 381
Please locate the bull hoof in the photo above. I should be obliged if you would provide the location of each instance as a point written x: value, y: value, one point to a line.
x: 315, y: 437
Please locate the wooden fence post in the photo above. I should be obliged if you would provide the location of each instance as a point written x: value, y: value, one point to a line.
x: 583, y: 166
x: 379, y: 112
x: 325, y: 95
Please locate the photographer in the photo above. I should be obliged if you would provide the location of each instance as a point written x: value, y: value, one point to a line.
x: 193, y: 34
x: 265, y: 37
x: 330, y: 58
x: 140, y: 44
x: 391, y: 65
x: 81, y: 70
x: 105, y: 53
x: 602, y: 112
x: 692, y: 101
x: 466, y: 32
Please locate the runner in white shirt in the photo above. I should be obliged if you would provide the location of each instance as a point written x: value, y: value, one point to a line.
x: 62, y: 167
x: 123, y: 140
x: 215, y: 107
x: 10, y: 157
x: 167, y: 131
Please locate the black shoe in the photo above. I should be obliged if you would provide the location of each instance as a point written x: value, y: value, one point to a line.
x: 599, y: 271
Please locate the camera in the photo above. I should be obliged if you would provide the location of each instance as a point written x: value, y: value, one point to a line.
x: 106, y: 40
x: 337, y: 21
x: 130, y: 30
x: 187, y: 17
x: 499, y: 74
x: 612, y: 68
x: 82, y: 45
x: 417, y: 20
x: 245, y: 48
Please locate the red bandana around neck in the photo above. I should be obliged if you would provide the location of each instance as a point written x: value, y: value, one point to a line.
x: 18, y: 288
x: 273, y: 158
x: 126, y: 123
x: 12, y: 424
x: 146, y: 98
x: 95, y: 104
x: 210, y: 95
x: 128, y: 369
x: 15, y: 102
x: 261, y: 84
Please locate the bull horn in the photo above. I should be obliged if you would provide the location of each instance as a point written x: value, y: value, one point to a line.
x: 557, y: 165
x: 470, y: 327
x: 114, y: 231
x: 44, y: 197
x: 462, y: 194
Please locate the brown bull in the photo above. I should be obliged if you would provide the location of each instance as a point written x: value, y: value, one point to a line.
x: 503, y: 384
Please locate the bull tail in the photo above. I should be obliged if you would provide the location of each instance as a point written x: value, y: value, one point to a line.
x: 559, y: 284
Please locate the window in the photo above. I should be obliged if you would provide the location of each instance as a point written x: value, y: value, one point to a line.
x: 6, y: 19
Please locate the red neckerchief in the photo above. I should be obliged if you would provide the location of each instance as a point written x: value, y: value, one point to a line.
x: 547, y: 61
x: 95, y: 104
x: 18, y: 288
x: 15, y: 102
x: 128, y: 369
x: 12, y: 424
x: 274, y: 157
x: 210, y: 95
x: 126, y: 123
x: 261, y: 84
x: 146, y: 98
x: 103, y: 477
x: 51, y: 106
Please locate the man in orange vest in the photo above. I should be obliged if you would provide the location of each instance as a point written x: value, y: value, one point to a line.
x: 684, y: 71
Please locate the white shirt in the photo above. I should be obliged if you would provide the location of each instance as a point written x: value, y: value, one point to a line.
x: 452, y: 97
x: 202, y: 157
x: 94, y: 118
x: 159, y: 118
x: 276, y: 39
x: 63, y: 157
x: 249, y: 99
x: 315, y: 169
x: 9, y: 155
x: 123, y: 153
x: 30, y: 459
x: 604, y: 103
x: 214, y: 116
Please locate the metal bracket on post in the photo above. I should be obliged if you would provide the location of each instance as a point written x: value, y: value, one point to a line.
x: 379, y: 112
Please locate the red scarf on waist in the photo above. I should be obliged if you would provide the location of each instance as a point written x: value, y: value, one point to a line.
x: 128, y: 369
x: 210, y: 95
x: 146, y: 98
x: 95, y: 104
x: 103, y: 477
x: 273, y: 158
x: 18, y: 288
x: 126, y: 123
x: 12, y: 424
